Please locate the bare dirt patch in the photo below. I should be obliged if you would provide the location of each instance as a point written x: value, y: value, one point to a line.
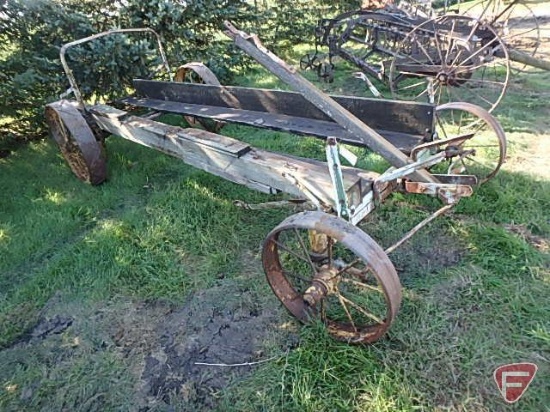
x: 161, y: 343
x: 218, y: 326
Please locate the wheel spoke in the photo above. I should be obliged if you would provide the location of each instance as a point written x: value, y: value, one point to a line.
x: 479, y: 96
x: 480, y: 145
x: 438, y: 119
x: 347, y: 267
x: 413, y: 85
x: 360, y: 309
x: 438, y: 46
x: 306, y: 252
x: 287, y: 250
x: 483, y: 81
x: 343, y: 303
x: 295, y: 276
x: 362, y: 285
x: 425, y: 52
x: 488, y: 166
x: 451, y: 41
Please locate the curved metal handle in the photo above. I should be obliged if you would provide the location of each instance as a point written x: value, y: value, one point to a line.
x: 69, y: 72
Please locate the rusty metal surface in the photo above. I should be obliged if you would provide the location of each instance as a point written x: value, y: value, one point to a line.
x: 197, y: 72
x: 478, y: 71
x: 331, y: 277
x: 465, y: 151
x: 449, y: 193
x: 380, y: 41
x: 76, y: 141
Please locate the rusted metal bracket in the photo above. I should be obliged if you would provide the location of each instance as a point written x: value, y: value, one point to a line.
x: 456, y: 140
x: 448, y: 193
x: 372, y: 139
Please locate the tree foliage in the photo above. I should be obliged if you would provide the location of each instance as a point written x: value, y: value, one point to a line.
x: 33, y: 31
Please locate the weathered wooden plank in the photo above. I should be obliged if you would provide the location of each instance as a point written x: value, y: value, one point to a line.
x: 252, y: 46
x: 292, y: 124
x: 402, y: 117
x: 218, y: 142
x: 257, y: 169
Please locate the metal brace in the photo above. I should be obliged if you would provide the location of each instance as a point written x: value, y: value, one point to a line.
x: 335, y: 170
x: 392, y: 173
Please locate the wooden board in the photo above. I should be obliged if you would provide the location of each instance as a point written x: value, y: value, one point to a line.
x: 402, y: 117
x: 288, y: 74
x: 226, y: 157
x: 292, y: 124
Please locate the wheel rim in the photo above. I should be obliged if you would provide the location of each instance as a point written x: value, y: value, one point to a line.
x: 76, y: 141
x: 198, y: 73
x: 517, y: 26
x: 351, y: 286
x: 451, y: 58
x: 483, y: 152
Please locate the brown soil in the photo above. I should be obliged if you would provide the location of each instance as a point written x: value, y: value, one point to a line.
x: 162, y: 343
x: 220, y: 326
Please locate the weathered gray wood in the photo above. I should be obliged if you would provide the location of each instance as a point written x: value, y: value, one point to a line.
x: 257, y: 169
x: 403, y: 117
x: 344, y: 118
x: 308, y: 127
x: 525, y: 58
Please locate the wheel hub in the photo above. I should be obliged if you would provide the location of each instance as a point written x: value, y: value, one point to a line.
x: 324, y: 283
x: 443, y: 78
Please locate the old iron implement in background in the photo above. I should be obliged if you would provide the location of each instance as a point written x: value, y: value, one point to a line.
x: 319, y: 263
x: 465, y: 55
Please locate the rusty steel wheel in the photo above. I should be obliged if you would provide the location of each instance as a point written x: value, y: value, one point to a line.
x: 196, y: 72
x: 322, y: 267
x: 483, y: 150
x: 76, y: 141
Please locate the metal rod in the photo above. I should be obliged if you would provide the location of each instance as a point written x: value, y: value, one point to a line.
x: 69, y: 72
x: 415, y: 229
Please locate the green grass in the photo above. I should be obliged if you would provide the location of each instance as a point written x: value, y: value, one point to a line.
x: 475, y: 288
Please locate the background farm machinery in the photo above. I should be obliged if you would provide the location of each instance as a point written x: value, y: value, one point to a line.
x: 466, y: 54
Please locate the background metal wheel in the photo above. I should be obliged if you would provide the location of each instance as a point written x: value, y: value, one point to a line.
x: 515, y: 23
x: 322, y: 267
x: 483, y: 152
x: 451, y: 59
x: 196, y: 72
x: 76, y: 141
